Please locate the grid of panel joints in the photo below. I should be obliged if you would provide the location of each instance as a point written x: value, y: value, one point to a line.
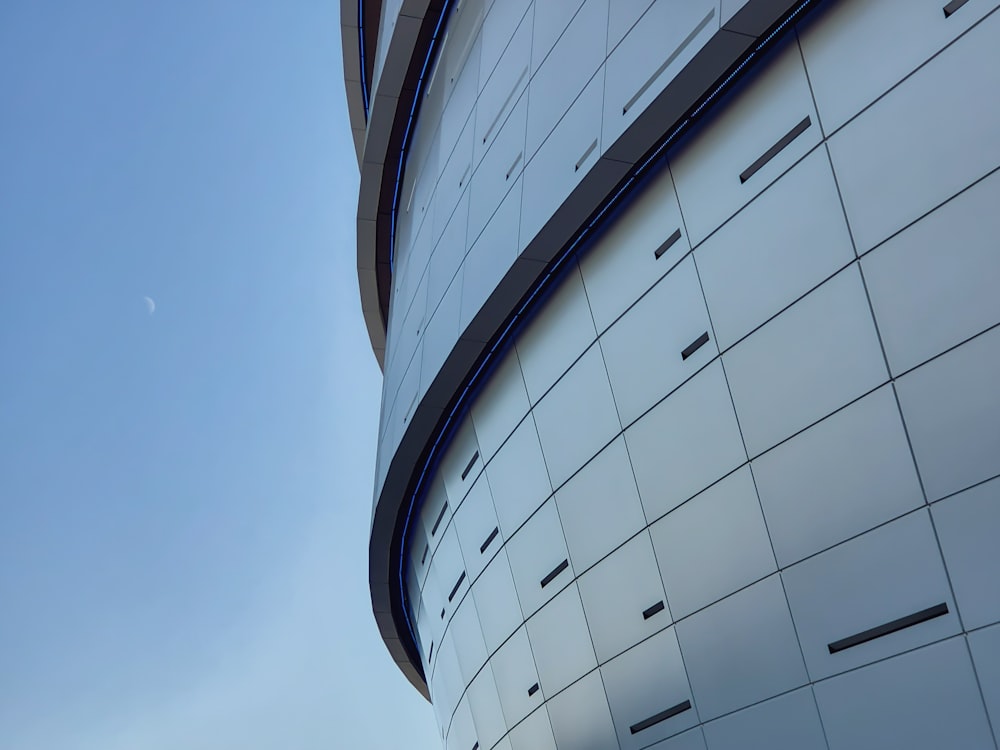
x: 938, y: 605
x: 556, y: 26
x: 431, y: 131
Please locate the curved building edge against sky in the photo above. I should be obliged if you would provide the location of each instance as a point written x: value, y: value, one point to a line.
x: 688, y: 326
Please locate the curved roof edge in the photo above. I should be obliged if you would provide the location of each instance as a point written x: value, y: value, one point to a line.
x: 389, y: 108
x: 742, y: 38
x: 357, y: 77
x: 359, y: 27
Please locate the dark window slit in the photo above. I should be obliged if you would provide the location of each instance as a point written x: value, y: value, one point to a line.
x: 423, y: 557
x: 695, y: 345
x: 476, y: 746
x: 649, y: 612
x: 489, y: 540
x: 468, y: 468
x: 776, y: 149
x: 662, y: 716
x: 532, y: 690
x: 669, y: 61
x: 437, y: 523
x: 442, y: 613
x: 588, y: 152
x: 510, y: 169
x: 669, y: 243
x: 454, y: 589
x: 430, y: 653
x: 555, y: 571
x: 953, y: 6
x: 888, y: 628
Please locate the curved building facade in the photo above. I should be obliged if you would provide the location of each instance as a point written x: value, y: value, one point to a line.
x: 689, y: 319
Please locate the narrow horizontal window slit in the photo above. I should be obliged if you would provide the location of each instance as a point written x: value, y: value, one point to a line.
x: 776, y: 149
x: 694, y: 345
x: 468, y: 467
x: 555, y: 572
x: 669, y: 243
x: 454, y: 589
x: 669, y: 61
x: 582, y: 159
x: 655, y: 609
x: 489, y: 540
x: 953, y: 6
x: 888, y: 628
x: 662, y: 716
x: 437, y: 523
x: 513, y: 166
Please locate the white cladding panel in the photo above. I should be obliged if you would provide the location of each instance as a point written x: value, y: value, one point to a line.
x: 581, y: 717
x: 553, y: 340
x: 561, y: 641
x: 619, y: 596
x: 741, y: 650
x: 810, y: 501
x: 985, y: 647
x: 790, y: 722
x: 599, y: 507
x: 967, y: 525
x: 924, y: 699
x: 713, y: 544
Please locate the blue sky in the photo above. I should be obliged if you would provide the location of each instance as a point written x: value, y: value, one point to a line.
x: 185, y: 495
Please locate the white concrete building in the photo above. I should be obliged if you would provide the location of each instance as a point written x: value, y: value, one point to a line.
x: 688, y: 315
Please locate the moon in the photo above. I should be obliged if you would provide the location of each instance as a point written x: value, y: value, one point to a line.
x: 150, y: 305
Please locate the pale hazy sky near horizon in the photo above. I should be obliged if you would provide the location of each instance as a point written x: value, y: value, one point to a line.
x: 185, y: 492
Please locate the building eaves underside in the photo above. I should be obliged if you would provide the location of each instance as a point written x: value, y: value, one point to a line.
x: 688, y: 96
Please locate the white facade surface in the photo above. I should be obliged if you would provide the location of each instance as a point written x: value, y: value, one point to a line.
x: 736, y: 481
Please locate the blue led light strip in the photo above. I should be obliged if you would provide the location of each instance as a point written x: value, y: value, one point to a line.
x: 478, y: 377
x: 361, y: 54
